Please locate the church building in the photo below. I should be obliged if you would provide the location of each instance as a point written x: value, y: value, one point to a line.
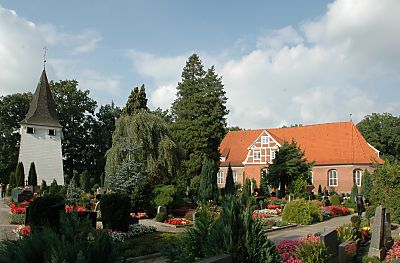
x: 41, y: 134
x: 338, y: 150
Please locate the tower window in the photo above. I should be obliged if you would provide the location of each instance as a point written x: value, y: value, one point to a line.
x: 52, y: 132
x: 30, y: 130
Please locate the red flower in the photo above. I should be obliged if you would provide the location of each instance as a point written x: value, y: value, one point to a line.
x: 177, y: 221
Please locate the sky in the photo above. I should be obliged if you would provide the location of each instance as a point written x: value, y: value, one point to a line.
x: 281, y: 62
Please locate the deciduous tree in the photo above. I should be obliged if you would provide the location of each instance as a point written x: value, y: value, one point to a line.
x: 289, y: 165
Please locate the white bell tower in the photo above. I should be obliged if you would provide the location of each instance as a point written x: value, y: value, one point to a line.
x: 41, y: 134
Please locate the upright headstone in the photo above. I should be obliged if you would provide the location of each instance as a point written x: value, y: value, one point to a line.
x: 329, y: 239
x: 388, y: 231
x: 377, y: 247
x: 161, y: 209
x: 347, y: 251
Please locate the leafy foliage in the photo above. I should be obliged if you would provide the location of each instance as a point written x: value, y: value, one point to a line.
x: 54, y: 188
x: 142, y: 198
x: 386, y: 188
x: 354, y: 190
x: 75, y: 242
x: 208, y: 181
x: 366, y: 184
x: 289, y: 165
x: 301, y: 212
x: 264, y: 184
x: 73, y: 193
x: 236, y: 232
x: 383, y: 132
x: 335, y: 200
x: 229, y: 184
x: 164, y: 195
x: 137, y: 101
x: 12, y: 181
x: 13, y: 109
x: 32, y: 177
x: 199, y: 112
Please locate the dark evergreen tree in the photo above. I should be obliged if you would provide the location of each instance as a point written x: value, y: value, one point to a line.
x: 289, y: 164
x: 319, y: 190
x: 229, y: 183
x: 137, y: 101
x: 245, y: 196
x: 54, y: 187
x: 264, y: 189
x: 366, y: 184
x: 20, y: 175
x: 12, y: 181
x: 354, y: 190
x: 199, y: 112
x: 208, y: 182
x: 32, y: 177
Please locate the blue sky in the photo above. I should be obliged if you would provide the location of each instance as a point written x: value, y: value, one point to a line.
x: 282, y: 62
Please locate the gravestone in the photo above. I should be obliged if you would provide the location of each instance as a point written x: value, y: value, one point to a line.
x: 161, y: 209
x: 388, y: 231
x: 194, y: 216
x: 329, y: 239
x: 377, y: 247
x: 347, y: 255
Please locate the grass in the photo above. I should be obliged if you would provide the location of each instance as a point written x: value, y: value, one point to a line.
x: 146, y: 244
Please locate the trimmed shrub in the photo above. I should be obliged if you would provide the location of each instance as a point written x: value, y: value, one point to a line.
x: 335, y: 200
x: 301, y: 212
x: 32, y: 176
x: 54, y: 187
x: 355, y: 221
x: 160, y: 217
x: 370, y: 212
x: 16, y: 219
x: 46, y: 210
x: 115, y: 210
x: 326, y: 202
x: 164, y: 195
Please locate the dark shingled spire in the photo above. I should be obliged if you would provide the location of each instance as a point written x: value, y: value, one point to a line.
x: 42, y: 110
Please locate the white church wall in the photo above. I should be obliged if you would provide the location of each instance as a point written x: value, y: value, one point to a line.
x: 44, y: 150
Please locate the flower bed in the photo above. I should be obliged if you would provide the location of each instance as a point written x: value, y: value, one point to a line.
x: 22, y: 231
x: 139, y: 215
x: 270, y: 212
x: 394, y: 252
x: 286, y: 249
x: 334, y: 210
x: 18, y: 208
x: 78, y: 208
x: 133, y: 231
x: 178, y: 222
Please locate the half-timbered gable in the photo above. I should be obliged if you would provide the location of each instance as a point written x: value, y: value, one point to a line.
x: 263, y: 149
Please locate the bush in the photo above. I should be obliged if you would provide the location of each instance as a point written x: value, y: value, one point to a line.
x: 160, y: 217
x: 326, y: 202
x: 46, y: 210
x: 301, y: 212
x: 346, y: 233
x: 356, y: 221
x: 115, y: 210
x: 370, y: 212
x: 335, y: 200
x: 164, y: 195
x: 394, y: 252
x: 16, y: 219
x: 75, y: 242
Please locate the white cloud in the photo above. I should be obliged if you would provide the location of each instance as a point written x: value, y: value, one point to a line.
x: 83, y: 42
x: 331, y: 67
x: 163, y: 96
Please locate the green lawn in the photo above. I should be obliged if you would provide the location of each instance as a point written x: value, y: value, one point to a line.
x: 146, y: 244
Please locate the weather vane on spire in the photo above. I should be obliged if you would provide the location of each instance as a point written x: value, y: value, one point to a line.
x: 44, y: 57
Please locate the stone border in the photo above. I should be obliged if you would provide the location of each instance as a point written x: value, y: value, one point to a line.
x: 174, y: 226
x: 279, y: 228
x: 142, y: 258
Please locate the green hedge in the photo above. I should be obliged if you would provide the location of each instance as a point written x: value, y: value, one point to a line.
x: 115, y: 209
x: 335, y: 200
x: 301, y: 212
x: 46, y: 210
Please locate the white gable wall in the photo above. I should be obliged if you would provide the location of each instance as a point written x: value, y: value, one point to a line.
x: 44, y: 150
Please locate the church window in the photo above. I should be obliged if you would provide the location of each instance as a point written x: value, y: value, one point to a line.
x: 30, y: 130
x: 332, y: 178
x: 52, y: 132
x: 257, y: 155
x: 264, y: 139
x: 220, y: 177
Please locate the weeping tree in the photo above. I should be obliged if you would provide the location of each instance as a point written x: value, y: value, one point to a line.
x: 366, y: 184
x: 143, y: 138
x: 32, y: 176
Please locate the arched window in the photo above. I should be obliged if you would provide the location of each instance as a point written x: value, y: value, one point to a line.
x: 332, y: 178
x: 357, y: 176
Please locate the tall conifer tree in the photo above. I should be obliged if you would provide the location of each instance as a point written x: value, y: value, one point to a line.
x: 229, y: 183
x: 32, y: 176
x: 208, y: 181
x: 199, y: 112
x: 137, y: 101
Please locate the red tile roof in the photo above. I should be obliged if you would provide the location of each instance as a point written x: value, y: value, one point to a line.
x: 330, y: 143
